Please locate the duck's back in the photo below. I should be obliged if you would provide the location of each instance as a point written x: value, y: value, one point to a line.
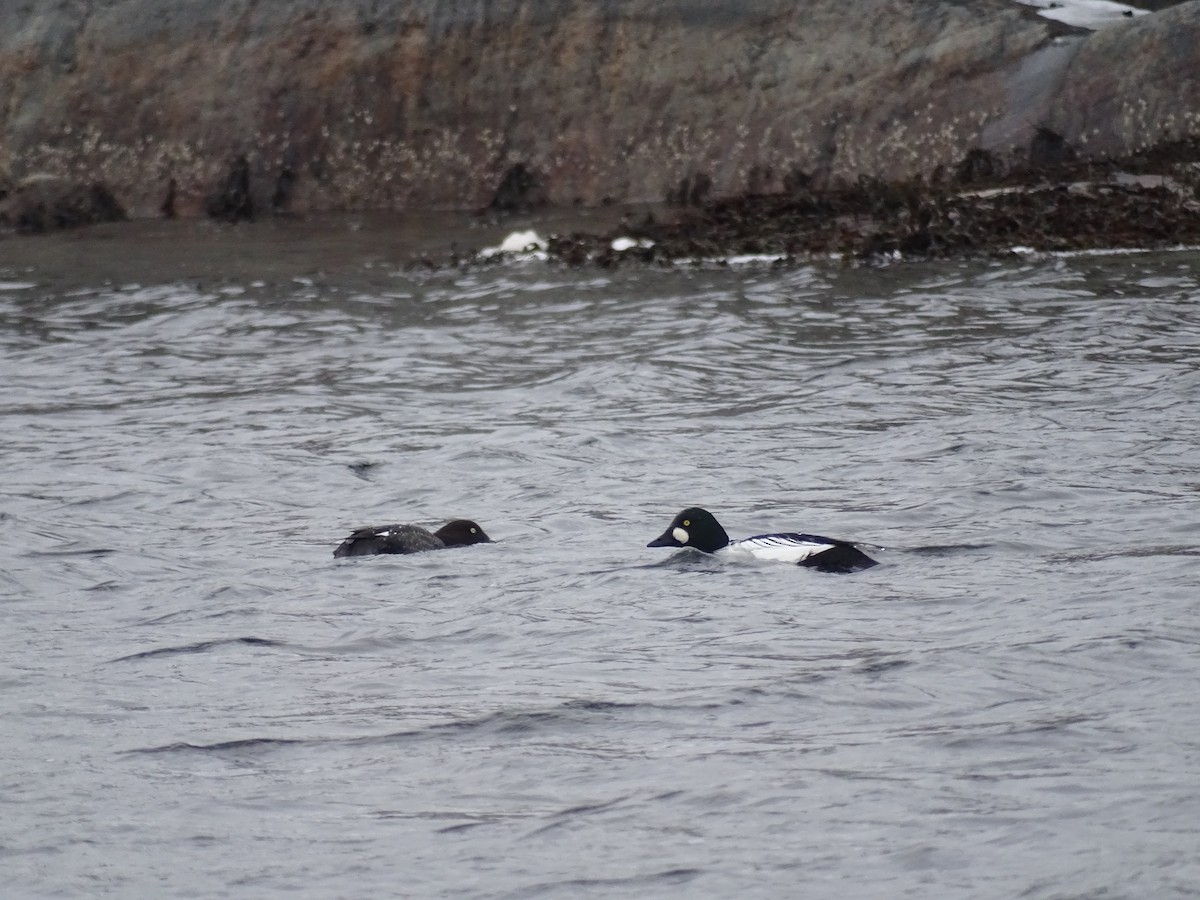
x: 389, y: 539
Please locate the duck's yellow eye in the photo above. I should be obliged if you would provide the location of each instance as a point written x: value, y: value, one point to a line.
x: 472, y: 531
x: 687, y: 522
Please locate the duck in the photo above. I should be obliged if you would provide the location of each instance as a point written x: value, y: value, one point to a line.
x: 698, y: 528
x: 411, y: 539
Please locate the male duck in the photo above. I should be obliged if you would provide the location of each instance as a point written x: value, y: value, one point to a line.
x: 696, y: 527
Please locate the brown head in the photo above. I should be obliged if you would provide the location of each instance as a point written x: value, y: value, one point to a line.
x: 461, y: 533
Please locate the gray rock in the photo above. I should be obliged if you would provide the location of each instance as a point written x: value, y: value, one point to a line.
x: 382, y: 104
x: 1131, y: 87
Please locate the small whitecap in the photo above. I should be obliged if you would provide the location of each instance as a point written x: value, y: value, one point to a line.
x: 751, y: 259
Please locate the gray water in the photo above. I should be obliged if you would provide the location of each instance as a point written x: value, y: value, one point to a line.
x: 199, y: 701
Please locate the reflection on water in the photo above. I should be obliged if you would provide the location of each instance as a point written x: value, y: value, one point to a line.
x: 199, y: 698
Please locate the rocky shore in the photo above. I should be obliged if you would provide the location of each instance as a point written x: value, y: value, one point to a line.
x: 864, y: 127
x: 1146, y: 201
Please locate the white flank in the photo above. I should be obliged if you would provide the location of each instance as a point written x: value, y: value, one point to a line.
x: 775, y: 548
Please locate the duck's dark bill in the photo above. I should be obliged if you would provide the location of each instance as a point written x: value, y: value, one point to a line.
x: 666, y: 539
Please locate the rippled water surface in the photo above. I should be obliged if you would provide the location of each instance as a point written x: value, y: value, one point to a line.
x: 198, y: 700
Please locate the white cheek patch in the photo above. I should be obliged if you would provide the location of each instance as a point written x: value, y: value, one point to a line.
x: 680, y: 535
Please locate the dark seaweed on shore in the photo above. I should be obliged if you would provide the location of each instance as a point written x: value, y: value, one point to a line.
x: 984, y: 207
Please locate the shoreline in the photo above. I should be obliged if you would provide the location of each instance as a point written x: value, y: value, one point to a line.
x: 983, y: 208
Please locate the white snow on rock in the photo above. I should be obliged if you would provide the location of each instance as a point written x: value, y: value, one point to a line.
x: 1091, y: 14
x: 526, y: 244
x: 621, y: 244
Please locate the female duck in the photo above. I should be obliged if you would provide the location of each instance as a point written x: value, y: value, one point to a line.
x: 411, y: 539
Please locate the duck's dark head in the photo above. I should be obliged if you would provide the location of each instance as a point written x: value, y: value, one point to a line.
x: 694, y: 527
x: 461, y: 533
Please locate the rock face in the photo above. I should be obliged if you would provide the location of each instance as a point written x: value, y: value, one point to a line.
x: 383, y: 104
x: 1132, y: 87
x: 46, y: 203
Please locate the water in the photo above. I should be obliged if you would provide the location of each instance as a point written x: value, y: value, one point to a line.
x: 199, y: 701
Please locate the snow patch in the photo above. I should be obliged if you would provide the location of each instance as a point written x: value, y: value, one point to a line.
x: 1091, y: 14
x: 621, y: 244
x: 522, y: 244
